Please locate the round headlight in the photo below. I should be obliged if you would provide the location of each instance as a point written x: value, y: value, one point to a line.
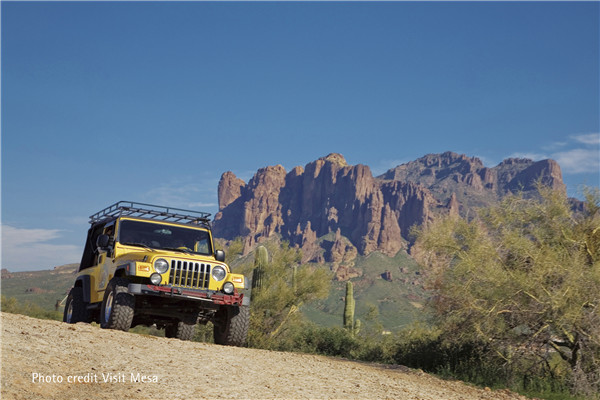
x: 228, y: 288
x: 155, y: 278
x: 219, y: 273
x: 161, y: 265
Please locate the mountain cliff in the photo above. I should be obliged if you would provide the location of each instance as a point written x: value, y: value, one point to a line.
x: 361, y: 213
x: 472, y: 184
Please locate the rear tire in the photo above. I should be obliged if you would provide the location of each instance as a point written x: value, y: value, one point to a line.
x: 75, y: 308
x: 231, y: 325
x: 180, y: 330
x: 118, y: 306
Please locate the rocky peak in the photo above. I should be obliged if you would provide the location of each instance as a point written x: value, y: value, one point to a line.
x: 470, y: 182
x: 448, y: 159
x: 453, y: 205
x: 516, y: 161
x: 522, y: 174
x: 547, y: 172
x: 267, y: 178
x: 427, y: 169
x: 335, y: 158
x: 366, y: 213
x: 230, y: 189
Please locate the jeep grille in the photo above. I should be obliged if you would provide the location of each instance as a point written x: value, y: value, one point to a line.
x: 189, y: 274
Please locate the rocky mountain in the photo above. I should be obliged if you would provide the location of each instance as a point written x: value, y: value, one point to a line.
x: 467, y: 183
x: 361, y: 213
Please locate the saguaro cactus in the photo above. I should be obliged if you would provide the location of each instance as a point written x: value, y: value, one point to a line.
x: 349, y: 307
x: 349, y: 323
x: 356, y: 328
x: 261, y: 259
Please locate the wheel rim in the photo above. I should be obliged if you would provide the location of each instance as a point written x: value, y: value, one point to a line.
x: 108, y: 307
x: 70, y: 312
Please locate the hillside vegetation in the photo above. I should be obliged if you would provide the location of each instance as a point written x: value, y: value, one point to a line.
x: 39, y: 289
x: 397, y: 302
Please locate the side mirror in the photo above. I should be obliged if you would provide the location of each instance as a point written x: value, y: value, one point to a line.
x: 220, y: 255
x: 102, y: 241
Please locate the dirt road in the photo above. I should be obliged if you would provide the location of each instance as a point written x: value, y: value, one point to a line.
x: 53, y: 360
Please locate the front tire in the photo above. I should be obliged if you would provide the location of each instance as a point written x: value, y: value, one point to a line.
x: 117, y: 306
x: 231, y: 325
x: 75, y: 308
x: 180, y: 330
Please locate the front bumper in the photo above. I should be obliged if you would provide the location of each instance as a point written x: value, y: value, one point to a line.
x: 191, y: 294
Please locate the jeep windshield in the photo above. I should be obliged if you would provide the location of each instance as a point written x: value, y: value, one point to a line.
x: 156, y: 236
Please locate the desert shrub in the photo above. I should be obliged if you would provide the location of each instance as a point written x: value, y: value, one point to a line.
x: 286, y: 284
x: 13, y: 306
x: 515, y: 287
x: 336, y: 342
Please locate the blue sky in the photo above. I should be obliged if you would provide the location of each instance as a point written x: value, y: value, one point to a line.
x: 152, y: 102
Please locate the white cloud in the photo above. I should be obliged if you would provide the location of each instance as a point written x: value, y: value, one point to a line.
x: 577, y: 161
x: 185, y: 194
x: 27, y: 249
x: 583, y: 157
x: 588, y: 138
x: 554, y: 146
x: 579, y: 155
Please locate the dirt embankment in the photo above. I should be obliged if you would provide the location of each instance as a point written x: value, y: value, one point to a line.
x: 53, y: 360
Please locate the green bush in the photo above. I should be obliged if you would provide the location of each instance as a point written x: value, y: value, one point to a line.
x: 11, y: 305
x: 523, y: 278
x: 337, y: 342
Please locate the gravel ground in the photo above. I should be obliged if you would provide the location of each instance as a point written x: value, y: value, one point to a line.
x: 52, y: 360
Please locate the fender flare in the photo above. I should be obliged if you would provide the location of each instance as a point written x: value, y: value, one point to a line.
x: 84, y: 282
x: 124, y: 270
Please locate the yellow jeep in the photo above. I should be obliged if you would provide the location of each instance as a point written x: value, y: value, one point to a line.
x: 144, y: 264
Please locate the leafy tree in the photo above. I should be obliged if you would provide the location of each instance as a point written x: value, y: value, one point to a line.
x: 286, y: 285
x: 373, y: 325
x: 523, y: 278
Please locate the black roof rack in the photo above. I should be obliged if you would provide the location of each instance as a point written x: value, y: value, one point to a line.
x: 150, y: 211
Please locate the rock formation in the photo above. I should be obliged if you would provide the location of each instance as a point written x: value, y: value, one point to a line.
x: 328, y: 196
x: 472, y: 184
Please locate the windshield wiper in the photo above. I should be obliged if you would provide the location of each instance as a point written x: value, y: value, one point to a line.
x: 185, y: 250
x: 139, y: 245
